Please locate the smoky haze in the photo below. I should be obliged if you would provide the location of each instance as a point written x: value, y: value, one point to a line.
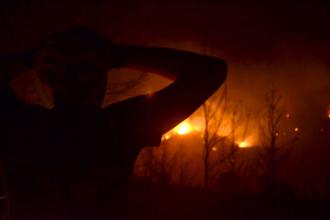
x: 274, y: 43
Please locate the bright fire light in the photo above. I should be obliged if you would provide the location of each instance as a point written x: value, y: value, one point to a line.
x: 243, y: 144
x: 183, y: 128
x: 190, y: 126
x: 166, y: 137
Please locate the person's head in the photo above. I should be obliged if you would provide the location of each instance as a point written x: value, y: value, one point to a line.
x: 71, y: 63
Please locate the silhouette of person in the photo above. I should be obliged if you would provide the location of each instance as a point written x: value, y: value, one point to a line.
x: 74, y: 161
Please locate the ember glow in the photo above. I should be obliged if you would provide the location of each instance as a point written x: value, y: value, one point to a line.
x: 183, y: 128
x: 244, y: 144
x: 195, y: 125
x: 287, y: 115
x: 167, y: 136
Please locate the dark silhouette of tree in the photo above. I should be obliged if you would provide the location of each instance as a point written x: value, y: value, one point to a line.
x: 156, y: 164
x: 213, y: 116
x: 219, y: 151
x: 275, y: 147
x: 238, y: 119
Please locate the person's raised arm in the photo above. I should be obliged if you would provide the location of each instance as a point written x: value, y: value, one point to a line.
x: 196, y: 77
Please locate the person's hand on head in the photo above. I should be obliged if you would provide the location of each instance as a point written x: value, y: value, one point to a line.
x: 74, y: 64
x: 60, y: 52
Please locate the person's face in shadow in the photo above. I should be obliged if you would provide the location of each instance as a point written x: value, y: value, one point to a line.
x: 74, y: 64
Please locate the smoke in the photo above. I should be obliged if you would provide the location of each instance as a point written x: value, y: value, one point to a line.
x: 267, y: 43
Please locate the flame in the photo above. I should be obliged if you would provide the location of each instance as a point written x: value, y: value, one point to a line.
x: 166, y: 137
x: 196, y: 125
x: 247, y: 142
x: 183, y: 128
x: 244, y: 144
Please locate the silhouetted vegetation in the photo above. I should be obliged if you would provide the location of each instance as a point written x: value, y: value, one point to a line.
x: 229, y: 182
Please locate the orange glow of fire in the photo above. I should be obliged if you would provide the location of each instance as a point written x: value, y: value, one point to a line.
x: 244, y: 144
x: 249, y: 141
x: 183, y: 128
x: 195, y: 125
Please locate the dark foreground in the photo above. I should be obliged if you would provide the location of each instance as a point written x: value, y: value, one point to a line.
x: 150, y: 201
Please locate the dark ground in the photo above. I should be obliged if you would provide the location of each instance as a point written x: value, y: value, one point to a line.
x: 151, y: 201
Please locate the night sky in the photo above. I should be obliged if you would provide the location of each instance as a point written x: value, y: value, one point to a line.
x: 285, y: 43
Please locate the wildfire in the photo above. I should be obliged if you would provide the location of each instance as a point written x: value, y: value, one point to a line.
x: 195, y: 126
x: 247, y: 142
x: 183, y: 128
x: 244, y: 144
